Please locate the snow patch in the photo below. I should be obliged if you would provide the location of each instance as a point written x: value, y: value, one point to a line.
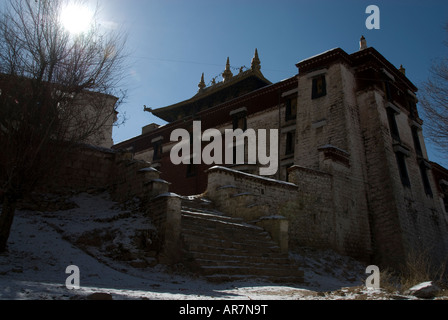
x: 42, y: 245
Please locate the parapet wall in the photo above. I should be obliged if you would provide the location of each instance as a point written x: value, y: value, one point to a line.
x: 86, y: 167
x: 90, y: 168
x: 305, y: 202
x: 227, y: 188
x: 308, y: 203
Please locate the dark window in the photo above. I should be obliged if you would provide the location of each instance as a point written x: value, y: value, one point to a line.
x: 387, y: 90
x: 319, y: 87
x: 290, y: 143
x: 445, y: 196
x: 240, y: 121
x: 401, y: 162
x: 412, y: 109
x: 393, y: 127
x: 157, y: 151
x: 291, y: 109
x: 425, y: 179
x: 417, y: 145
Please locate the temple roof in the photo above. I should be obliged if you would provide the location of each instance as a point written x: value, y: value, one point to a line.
x: 231, y: 87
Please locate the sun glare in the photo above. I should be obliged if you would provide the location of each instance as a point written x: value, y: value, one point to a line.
x: 76, y: 19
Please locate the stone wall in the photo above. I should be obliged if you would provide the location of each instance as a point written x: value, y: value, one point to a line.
x: 311, y: 214
x: 86, y: 167
x: 404, y: 219
x: 308, y: 203
x: 165, y: 213
x: 89, y: 168
x: 329, y: 141
x: 135, y: 178
x: 246, y: 195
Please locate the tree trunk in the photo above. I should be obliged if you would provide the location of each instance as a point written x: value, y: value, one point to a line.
x: 6, y: 218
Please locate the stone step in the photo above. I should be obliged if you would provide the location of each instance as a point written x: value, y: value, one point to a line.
x: 197, y: 203
x: 219, y: 243
x: 251, y: 270
x: 206, y: 211
x: 225, y: 248
x: 220, y: 278
x: 225, y: 234
x: 244, y: 261
x: 202, y: 236
x: 218, y: 228
x: 210, y: 227
x: 223, y: 258
x: 232, y: 251
x: 208, y: 217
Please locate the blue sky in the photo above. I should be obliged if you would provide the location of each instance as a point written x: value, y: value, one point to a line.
x: 172, y: 42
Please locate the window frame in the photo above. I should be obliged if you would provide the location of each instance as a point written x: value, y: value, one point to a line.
x: 393, y: 125
x: 236, y: 118
x: 290, y: 111
x: 425, y: 178
x: 157, y: 147
x: 402, y: 169
x: 316, y: 90
x: 416, y: 139
x: 290, y: 143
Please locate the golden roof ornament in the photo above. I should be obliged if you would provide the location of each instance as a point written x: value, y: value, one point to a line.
x: 255, y: 65
x: 227, y: 74
x: 201, y: 84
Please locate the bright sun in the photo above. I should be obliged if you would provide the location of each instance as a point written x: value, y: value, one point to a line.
x: 76, y: 19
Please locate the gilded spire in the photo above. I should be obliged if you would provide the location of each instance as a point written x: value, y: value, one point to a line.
x: 227, y: 74
x: 201, y: 84
x: 255, y: 65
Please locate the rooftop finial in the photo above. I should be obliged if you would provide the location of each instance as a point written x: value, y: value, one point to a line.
x: 402, y: 70
x: 255, y: 65
x: 201, y: 84
x: 362, y: 43
x: 227, y: 74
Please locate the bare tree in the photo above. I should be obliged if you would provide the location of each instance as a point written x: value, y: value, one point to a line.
x: 434, y: 100
x: 57, y: 90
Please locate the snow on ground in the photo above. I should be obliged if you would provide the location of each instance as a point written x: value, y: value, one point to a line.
x: 43, y: 244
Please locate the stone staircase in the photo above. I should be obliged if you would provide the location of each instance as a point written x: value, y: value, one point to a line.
x: 224, y: 248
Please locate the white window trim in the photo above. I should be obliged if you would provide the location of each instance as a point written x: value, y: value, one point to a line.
x: 316, y: 73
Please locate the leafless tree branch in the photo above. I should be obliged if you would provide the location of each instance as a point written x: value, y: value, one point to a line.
x: 434, y: 100
x: 57, y: 90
